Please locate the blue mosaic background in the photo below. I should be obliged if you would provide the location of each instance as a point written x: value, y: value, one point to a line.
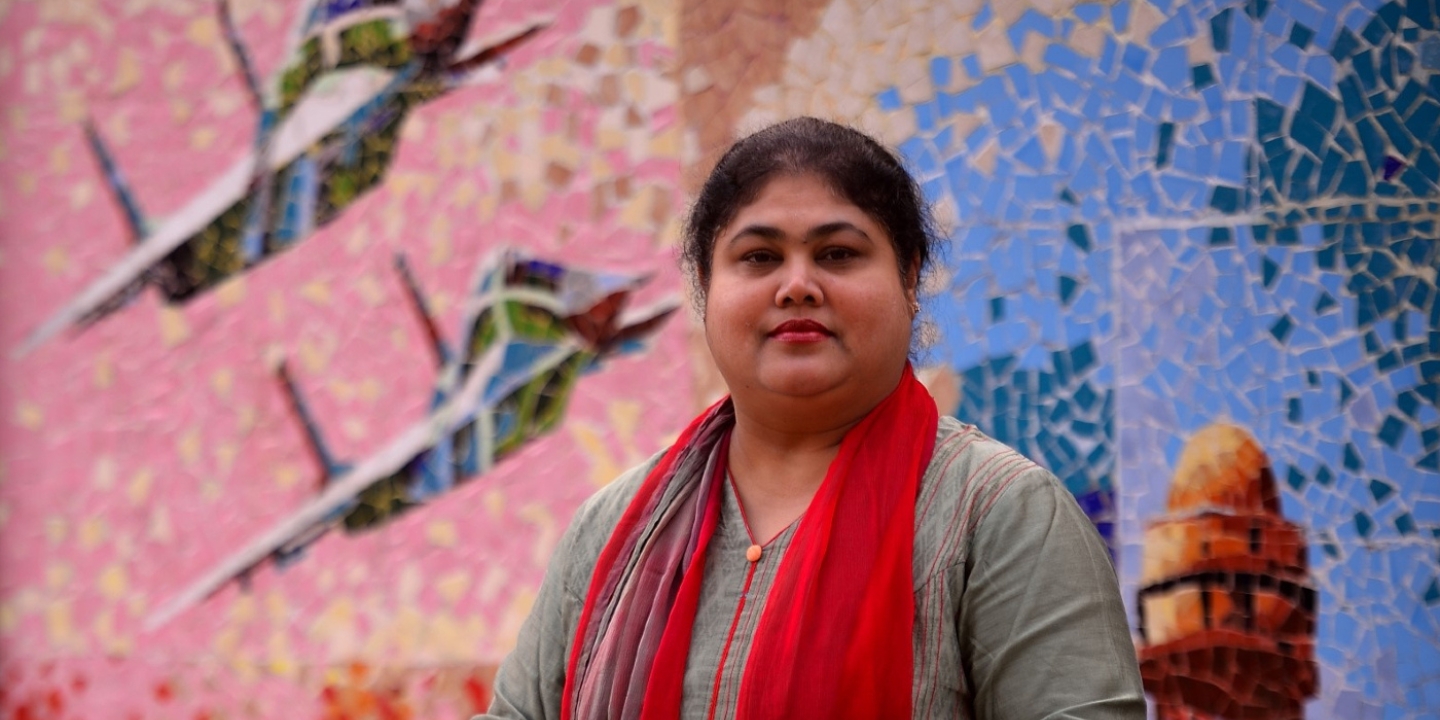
x: 1247, y: 238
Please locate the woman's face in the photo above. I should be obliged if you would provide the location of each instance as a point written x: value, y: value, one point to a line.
x: 805, y: 297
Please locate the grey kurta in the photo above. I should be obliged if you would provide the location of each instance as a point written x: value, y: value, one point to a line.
x: 1017, y: 609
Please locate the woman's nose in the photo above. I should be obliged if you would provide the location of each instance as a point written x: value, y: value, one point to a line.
x: 799, y: 285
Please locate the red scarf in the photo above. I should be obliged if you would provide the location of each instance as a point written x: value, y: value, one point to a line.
x: 835, y: 639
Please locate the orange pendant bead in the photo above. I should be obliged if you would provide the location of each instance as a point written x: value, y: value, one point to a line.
x: 753, y: 553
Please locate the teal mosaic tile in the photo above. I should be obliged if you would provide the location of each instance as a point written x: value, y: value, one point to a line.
x: 1300, y: 36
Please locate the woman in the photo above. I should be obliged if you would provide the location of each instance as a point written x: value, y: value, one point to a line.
x: 820, y: 544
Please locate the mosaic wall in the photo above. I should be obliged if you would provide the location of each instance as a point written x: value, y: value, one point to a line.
x: 295, y: 438
x: 301, y: 433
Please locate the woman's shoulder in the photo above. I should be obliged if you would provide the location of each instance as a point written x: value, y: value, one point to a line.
x: 605, y: 507
x: 968, y: 457
x: 595, y: 519
x: 969, y: 473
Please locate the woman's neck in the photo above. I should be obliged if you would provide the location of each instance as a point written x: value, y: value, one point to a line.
x: 777, y: 469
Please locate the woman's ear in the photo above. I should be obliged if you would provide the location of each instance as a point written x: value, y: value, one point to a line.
x: 912, y: 282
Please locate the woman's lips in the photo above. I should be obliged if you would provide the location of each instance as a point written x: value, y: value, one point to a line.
x: 800, y: 331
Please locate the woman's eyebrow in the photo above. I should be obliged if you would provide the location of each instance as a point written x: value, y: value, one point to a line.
x: 833, y: 228
x: 764, y: 232
x: 774, y: 234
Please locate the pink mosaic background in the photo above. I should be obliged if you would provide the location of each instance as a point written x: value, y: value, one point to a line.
x: 138, y: 453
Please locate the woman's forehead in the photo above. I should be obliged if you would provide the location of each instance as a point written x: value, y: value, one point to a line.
x: 801, y: 198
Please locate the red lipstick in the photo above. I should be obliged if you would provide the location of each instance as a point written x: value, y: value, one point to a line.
x: 800, y: 331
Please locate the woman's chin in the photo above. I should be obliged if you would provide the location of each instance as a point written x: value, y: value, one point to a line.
x: 799, y: 379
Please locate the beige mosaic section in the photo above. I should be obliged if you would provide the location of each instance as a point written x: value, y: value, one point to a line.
x: 530, y: 162
x: 730, y: 49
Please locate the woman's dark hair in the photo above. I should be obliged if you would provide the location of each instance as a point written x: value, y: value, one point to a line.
x: 853, y: 164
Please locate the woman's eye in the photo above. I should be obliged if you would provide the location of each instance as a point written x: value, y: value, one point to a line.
x: 837, y: 253
x: 757, y: 257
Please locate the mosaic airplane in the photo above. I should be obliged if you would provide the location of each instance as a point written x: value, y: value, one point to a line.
x: 328, y: 129
x: 531, y: 329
